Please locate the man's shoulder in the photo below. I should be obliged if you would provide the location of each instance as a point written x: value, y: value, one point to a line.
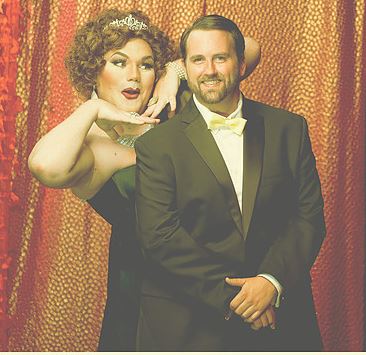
x: 170, y: 129
x: 273, y: 114
x: 162, y: 134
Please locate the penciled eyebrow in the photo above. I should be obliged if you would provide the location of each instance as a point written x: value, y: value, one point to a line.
x: 148, y: 57
x: 197, y: 56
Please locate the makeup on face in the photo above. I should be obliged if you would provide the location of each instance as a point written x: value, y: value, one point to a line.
x: 131, y: 93
x: 127, y: 79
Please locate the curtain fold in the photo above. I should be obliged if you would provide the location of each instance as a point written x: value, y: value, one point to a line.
x: 313, y: 60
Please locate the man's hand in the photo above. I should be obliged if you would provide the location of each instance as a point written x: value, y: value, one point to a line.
x: 267, y: 318
x: 256, y: 294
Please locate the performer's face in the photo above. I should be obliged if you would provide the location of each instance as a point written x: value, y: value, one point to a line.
x: 127, y: 79
x: 213, y: 69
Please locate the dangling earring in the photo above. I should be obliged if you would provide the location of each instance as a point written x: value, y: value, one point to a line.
x: 94, y: 95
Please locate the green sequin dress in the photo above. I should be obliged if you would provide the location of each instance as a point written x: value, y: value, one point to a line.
x: 116, y: 203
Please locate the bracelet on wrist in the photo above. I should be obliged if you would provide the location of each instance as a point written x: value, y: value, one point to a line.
x: 181, y: 73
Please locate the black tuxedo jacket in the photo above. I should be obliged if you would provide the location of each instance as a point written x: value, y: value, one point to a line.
x: 193, y: 233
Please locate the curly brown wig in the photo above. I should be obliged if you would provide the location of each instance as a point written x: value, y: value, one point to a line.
x: 95, y: 38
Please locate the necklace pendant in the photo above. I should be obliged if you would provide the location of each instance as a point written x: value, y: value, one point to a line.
x: 128, y: 141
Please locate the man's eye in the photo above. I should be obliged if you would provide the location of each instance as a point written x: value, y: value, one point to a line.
x: 147, y: 66
x: 198, y: 60
x: 220, y: 59
x: 119, y: 62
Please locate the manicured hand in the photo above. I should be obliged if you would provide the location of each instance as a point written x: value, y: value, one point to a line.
x: 165, y: 93
x: 109, y: 116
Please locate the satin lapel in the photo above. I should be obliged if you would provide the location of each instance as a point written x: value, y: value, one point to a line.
x: 203, y: 141
x: 252, y: 162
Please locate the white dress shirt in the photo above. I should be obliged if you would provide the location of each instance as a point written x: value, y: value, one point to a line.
x: 230, y: 145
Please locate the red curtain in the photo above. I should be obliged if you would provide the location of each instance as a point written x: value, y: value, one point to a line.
x: 53, y: 248
x: 10, y: 13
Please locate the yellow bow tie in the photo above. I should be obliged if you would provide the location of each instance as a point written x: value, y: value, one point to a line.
x: 236, y: 124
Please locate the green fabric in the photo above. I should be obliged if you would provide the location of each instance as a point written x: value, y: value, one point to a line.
x: 125, y: 182
x: 116, y: 203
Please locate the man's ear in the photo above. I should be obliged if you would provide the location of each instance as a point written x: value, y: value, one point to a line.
x: 242, y: 69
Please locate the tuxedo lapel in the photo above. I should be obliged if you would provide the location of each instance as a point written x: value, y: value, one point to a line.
x: 204, y: 143
x: 253, y: 147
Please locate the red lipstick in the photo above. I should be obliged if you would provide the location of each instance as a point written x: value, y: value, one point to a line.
x: 130, y: 93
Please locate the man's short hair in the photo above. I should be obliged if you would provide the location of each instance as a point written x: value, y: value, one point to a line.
x: 215, y: 22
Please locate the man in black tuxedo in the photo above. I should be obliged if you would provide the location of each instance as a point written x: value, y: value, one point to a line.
x: 229, y: 213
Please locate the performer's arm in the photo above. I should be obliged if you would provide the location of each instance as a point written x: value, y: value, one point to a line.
x: 80, y: 155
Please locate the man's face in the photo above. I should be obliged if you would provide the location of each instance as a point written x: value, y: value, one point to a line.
x: 213, y: 70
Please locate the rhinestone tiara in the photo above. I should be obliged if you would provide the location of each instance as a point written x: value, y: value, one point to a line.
x: 129, y: 21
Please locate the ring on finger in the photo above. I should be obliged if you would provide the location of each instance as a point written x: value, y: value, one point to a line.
x: 153, y: 101
x: 134, y: 115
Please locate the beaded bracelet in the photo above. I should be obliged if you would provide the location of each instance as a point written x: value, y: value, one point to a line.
x: 178, y: 69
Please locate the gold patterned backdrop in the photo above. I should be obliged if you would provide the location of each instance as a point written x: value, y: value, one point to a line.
x: 313, y: 59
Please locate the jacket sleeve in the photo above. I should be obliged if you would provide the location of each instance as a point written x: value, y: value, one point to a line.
x: 188, y: 267
x: 291, y: 256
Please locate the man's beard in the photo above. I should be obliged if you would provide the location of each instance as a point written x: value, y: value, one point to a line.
x: 214, y: 95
